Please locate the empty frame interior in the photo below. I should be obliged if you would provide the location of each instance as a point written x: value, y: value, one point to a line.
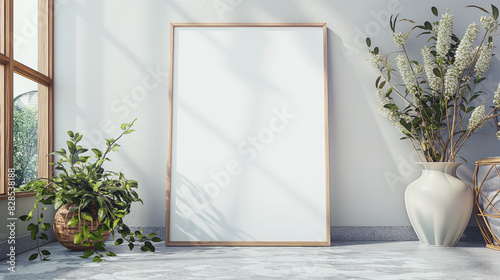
x: 248, y: 135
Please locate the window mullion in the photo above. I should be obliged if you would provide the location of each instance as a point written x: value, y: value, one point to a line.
x: 31, y: 74
x: 4, y: 59
x: 7, y: 127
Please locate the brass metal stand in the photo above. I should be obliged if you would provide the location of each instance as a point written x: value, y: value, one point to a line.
x: 484, y: 203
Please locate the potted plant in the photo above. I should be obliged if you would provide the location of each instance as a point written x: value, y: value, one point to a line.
x: 91, y: 201
x: 432, y: 101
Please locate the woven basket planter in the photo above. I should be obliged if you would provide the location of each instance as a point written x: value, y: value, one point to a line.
x: 66, y: 234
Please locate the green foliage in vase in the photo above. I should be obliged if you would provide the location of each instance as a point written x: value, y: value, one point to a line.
x: 83, y: 181
x: 431, y: 100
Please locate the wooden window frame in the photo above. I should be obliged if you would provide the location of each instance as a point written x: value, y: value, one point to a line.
x: 43, y: 76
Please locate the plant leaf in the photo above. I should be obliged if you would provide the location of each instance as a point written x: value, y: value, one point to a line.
x: 45, y: 226
x: 99, y: 246
x: 96, y: 236
x: 86, y: 216
x: 129, y: 131
x: 71, y: 146
x: 428, y: 25
x: 79, y: 138
x: 73, y: 222
x: 58, y: 203
x: 87, y: 254
x: 44, y: 236
x: 434, y: 11
x: 115, y: 222
x: 97, y: 152
x: 85, y: 231
x: 31, y: 226
x: 150, y: 246
x: 32, y: 257
x: 33, y: 233
x: 24, y: 218
x: 102, y: 228
x: 477, y: 7
x: 78, y: 238
x: 437, y: 72
x: 45, y: 252
x: 494, y: 10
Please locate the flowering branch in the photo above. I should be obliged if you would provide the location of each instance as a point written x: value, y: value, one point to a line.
x: 439, y: 94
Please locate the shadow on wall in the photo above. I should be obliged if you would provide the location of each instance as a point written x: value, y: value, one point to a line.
x: 78, y: 94
x: 195, y: 219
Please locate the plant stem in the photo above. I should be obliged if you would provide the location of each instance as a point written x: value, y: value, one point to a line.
x: 37, y: 234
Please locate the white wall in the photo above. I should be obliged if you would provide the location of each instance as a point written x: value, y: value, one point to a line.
x: 111, y: 65
x: 23, y: 207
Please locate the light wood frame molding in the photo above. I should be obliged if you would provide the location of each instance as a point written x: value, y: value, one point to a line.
x: 168, y: 241
x: 43, y: 76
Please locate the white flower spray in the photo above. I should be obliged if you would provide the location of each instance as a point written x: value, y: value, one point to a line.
x: 408, y: 77
x: 399, y: 39
x: 484, y: 59
x: 451, y: 81
x: 429, y: 65
x: 476, y: 117
x: 446, y: 76
x: 465, y: 50
x: 418, y: 69
x: 443, y: 43
x: 384, y: 100
x: 496, y: 97
x: 375, y: 60
x: 489, y: 23
x: 435, y: 30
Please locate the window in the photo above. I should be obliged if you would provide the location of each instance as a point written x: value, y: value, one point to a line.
x: 26, y: 90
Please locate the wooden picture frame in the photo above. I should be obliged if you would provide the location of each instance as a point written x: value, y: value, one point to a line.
x: 248, y: 135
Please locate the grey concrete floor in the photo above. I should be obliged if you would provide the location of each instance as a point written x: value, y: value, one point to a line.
x: 343, y: 260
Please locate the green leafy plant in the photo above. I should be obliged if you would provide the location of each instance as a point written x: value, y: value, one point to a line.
x: 431, y: 101
x: 84, y: 183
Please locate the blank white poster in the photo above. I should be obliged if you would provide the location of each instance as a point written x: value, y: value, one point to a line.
x: 249, y: 136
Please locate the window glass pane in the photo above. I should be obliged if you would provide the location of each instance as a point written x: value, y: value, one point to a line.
x: 2, y: 129
x: 25, y: 129
x: 26, y: 32
x: 2, y: 29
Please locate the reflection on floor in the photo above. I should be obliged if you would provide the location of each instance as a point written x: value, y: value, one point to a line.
x: 344, y: 260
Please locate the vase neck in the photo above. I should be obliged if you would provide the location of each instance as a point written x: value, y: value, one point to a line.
x: 445, y: 167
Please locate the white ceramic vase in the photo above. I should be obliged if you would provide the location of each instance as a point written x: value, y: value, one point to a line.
x: 439, y: 204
